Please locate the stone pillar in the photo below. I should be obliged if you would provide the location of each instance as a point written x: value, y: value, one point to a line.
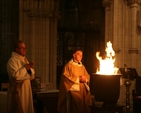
x: 38, y: 28
x: 107, y: 4
x: 133, y: 50
x: 117, y: 28
x: 53, y: 42
x: 118, y: 40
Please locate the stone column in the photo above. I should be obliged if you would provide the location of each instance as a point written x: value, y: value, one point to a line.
x: 107, y: 4
x: 116, y: 25
x: 133, y: 50
x: 117, y: 20
x: 38, y: 25
x: 53, y: 42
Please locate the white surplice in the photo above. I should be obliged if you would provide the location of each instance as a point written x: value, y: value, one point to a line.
x: 18, y: 73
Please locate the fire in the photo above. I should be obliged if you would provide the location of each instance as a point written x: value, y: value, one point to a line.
x: 107, y: 64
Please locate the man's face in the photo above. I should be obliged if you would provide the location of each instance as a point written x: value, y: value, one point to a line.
x: 21, y: 50
x: 78, y: 56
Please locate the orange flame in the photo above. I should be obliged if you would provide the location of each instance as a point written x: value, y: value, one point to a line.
x: 107, y: 64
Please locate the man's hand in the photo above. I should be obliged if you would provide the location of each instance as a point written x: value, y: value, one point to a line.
x: 28, y: 66
x: 82, y: 79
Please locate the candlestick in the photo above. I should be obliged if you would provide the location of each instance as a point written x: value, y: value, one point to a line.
x: 127, y: 83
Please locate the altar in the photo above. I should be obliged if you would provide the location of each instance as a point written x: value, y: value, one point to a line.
x: 46, y: 99
x: 3, y: 101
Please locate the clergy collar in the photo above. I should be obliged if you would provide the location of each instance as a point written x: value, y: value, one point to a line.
x: 75, y: 63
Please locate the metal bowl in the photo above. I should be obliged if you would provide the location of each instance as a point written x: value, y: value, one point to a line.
x: 105, y: 88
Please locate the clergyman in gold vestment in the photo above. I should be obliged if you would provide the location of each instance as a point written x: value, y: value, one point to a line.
x: 74, y: 91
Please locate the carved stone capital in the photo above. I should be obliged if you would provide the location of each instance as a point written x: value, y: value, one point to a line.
x: 133, y: 50
x: 34, y: 14
x: 130, y: 2
x: 106, y: 3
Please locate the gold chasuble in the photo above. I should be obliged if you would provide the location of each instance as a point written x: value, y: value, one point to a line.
x: 74, y: 97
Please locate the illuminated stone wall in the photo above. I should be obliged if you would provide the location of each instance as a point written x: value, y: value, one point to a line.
x: 122, y: 28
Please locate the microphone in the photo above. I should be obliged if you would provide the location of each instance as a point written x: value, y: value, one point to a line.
x: 79, y: 63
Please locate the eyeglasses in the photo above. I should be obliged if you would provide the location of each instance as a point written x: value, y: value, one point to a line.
x: 22, y: 48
